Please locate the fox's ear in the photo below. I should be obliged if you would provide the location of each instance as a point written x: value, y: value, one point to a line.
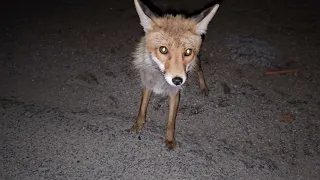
x: 204, y: 18
x: 145, y: 15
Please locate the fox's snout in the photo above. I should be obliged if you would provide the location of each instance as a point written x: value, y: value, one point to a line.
x: 175, y: 72
x: 173, y: 69
x: 175, y: 80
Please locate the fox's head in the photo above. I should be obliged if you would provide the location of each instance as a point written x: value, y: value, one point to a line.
x: 174, y: 41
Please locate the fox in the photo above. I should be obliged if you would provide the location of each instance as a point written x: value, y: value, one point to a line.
x: 167, y: 51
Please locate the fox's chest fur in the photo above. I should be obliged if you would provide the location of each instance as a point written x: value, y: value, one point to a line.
x: 150, y: 74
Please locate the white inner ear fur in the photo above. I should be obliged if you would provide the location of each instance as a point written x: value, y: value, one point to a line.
x: 203, y: 24
x: 145, y: 21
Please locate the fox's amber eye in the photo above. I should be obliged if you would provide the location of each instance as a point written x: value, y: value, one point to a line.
x: 188, y: 52
x: 163, y: 50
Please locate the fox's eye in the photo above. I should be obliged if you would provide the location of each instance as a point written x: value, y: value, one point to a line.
x: 188, y: 52
x: 163, y: 50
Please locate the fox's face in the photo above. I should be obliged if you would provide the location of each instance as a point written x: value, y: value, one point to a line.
x: 174, y: 41
x: 173, y: 45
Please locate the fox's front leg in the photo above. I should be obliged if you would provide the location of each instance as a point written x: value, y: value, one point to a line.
x: 138, y: 125
x: 173, y: 108
x: 203, y: 86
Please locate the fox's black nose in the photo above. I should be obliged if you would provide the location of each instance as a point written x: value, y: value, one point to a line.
x: 177, y: 80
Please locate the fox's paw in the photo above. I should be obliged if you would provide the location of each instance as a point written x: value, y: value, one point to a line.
x: 204, y: 91
x: 170, y: 144
x: 136, y: 128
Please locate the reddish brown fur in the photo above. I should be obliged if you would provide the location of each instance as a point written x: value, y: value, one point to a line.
x: 177, y: 34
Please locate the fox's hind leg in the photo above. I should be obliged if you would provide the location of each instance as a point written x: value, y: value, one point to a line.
x: 202, y: 83
x: 138, y: 125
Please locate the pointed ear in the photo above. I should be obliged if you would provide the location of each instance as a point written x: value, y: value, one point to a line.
x: 145, y: 15
x: 204, y: 18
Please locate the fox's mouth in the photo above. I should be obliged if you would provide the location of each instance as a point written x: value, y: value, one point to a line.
x: 171, y: 80
x: 175, y: 81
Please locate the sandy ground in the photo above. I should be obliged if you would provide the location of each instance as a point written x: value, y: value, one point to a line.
x: 68, y: 95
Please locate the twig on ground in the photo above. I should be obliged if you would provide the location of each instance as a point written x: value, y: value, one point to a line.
x: 282, y: 71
